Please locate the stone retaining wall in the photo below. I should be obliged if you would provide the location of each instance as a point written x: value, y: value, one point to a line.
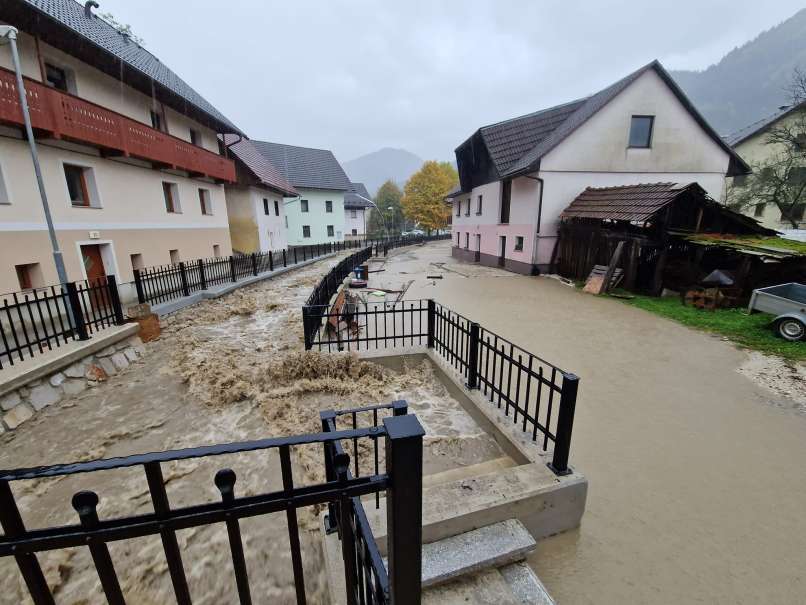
x: 19, y: 406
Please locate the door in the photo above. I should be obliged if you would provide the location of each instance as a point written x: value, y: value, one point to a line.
x: 93, y: 262
x: 478, y: 247
x: 502, y: 252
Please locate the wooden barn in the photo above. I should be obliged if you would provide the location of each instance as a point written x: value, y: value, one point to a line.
x: 674, y: 236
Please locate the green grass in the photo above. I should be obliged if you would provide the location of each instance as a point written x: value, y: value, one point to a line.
x: 749, y: 331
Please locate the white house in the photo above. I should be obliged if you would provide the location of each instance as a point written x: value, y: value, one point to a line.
x: 316, y: 214
x: 356, y: 205
x: 129, y: 153
x: 255, y: 206
x: 517, y: 176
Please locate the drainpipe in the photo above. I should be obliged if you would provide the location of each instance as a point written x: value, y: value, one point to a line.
x: 539, y: 215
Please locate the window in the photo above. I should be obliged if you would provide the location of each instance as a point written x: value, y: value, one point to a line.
x: 156, y: 120
x: 353, y: 213
x: 286, y: 222
x: 137, y: 261
x: 355, y: 231
x: 195, y: 137
x: 458, y: 208
x: 519, y: 243
x: 306, y: 231
x: 759, y: 209
x: 467, y: 235
x: 171, y: 193
x: 328, y: 206
x: 458, y: 235
x: 276, y: 208
x: 174, y: 256
x: 478, y: 206
x: 29, y: 276
x: 59, y: 78
x: 216, y: 251
x: 506, y: 195
x: 467, y: 212
x: 330, y: 231
x: 303, y: 205
x: 77, y: 185
x: 4, y: 198
x: 641, y: 131
x: 265, y: 206
x: 205, y: 202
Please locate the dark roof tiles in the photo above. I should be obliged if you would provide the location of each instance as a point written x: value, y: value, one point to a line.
x: 259, y: 165
x: 305, y: 166
x: 70, y: 14
x: 352, y: 199
x: 635, y: 203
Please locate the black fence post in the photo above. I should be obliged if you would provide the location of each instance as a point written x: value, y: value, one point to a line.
x: 285, y: 263
x: 295, y: 256
x: 307, y: 324
x: 202, y: 276
x: 138, y: 285
x: 404, y: 507
x: 330, y: 470
x: 271, y: 261
x: 473, y: 357
x: 304, y: 254
x: 232, y: 268
x: 114, y: 298
x: 565, y: 424
x: 254, y: 264
x: 75, y: 308
x: 432, y: 316
x: 184, y: 277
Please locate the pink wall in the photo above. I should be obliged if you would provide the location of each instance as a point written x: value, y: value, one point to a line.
x: 490, y: 235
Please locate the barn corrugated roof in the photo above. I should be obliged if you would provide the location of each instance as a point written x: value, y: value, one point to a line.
x: 635, y: 203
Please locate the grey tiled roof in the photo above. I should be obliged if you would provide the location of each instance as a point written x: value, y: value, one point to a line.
x: 258, y: 164
x: 70, y: 14
x: 351, y: 200
x: 517, y: 145
x: 305, y: 166
x: 748, y: 131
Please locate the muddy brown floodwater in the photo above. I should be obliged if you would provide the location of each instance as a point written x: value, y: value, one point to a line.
x: 226, y: 370
x: 697, y: 472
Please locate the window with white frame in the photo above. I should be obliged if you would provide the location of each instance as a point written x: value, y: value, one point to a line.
x: 265, y: 206
x: 303, y: 205
x: 306, y: 231
x: 353, y: 213
x: 478, y: 205
x: 328, y: 206
x: 81, y: 187
x: 60, y: 77
x: 641, y: 131
x: 330, y: 231
x: 4, y: 197
x: 170, y: 191
x: 276, y: 208
x: 205, y: 202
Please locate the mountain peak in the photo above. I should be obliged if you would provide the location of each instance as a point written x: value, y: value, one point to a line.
x: 375, y: 168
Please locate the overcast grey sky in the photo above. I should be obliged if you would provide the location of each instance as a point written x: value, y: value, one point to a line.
x: 354, y: 76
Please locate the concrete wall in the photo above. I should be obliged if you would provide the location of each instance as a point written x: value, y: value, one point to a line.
x: 754, y: 151
x: 316, y: 217
x: 131, y: 219
x: 595, y: 155
x: 251, y: 229
x: 357, y: 222
x: 97, y: 87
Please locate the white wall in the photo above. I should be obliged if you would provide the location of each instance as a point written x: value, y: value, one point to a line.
x: 316, y: 217
x: 356, y: 223
x: 271, y: 227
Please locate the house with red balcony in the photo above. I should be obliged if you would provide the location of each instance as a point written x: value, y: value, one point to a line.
x: 130, y: 155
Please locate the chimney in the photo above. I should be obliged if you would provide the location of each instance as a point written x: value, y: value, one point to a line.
x: 88, y: 6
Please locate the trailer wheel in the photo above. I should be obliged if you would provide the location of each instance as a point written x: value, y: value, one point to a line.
x: 790, y: 329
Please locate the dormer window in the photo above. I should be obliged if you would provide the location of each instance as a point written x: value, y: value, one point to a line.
x: 641, y: 131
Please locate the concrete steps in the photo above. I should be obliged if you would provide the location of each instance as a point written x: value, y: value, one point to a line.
x: 514, y: 584
x: 466, y: 472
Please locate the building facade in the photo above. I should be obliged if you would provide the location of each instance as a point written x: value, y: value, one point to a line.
x: 129, y: 154
x: 316, y: 214
x: 357, y: 203
x: 751, y: 143
x: 255, y: 203
x: 517, y: 176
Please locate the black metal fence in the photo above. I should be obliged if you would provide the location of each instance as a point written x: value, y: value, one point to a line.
x: 366, y: 578
x: 539, y: 397
x: 42, y: 319
x: 167, y: 282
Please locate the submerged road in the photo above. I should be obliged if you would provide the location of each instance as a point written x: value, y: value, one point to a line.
x: 697, y: 474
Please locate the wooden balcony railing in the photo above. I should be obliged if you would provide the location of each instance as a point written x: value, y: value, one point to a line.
x: 64, y: 116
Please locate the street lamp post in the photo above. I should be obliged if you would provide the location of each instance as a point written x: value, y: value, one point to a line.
x: 8, y: 35
x: 374, y: 205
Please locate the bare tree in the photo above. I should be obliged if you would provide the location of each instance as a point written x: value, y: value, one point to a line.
x: 780, y: 179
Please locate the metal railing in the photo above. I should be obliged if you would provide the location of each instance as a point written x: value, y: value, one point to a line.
x: 539, y: 397
x: 402, y: 436
x: 36, y: 321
